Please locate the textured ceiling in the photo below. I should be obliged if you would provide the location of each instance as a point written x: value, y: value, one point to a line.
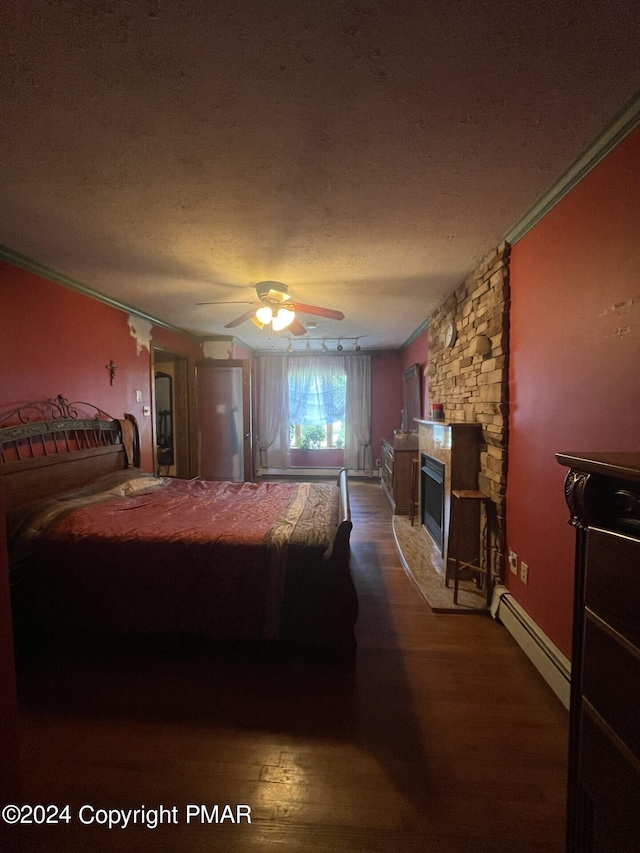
x: 368, y: 153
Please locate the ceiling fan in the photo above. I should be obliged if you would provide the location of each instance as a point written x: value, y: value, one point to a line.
x: 275, y: 309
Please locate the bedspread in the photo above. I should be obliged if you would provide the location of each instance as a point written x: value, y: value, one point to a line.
x: 209, y: 511
x: 215, y: 559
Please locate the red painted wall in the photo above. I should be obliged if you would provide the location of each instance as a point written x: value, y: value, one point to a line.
x: 418, y: 353
x: 324, y: 457
x: 574, y: 368
x: 54, y: 340
x: 386, y: 397
x: 240, y: 352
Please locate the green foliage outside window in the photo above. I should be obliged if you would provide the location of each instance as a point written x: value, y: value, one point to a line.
x: 311, y: 437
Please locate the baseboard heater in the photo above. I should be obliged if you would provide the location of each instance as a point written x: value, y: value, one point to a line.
x: 554, y: 667
x: 311, y: 472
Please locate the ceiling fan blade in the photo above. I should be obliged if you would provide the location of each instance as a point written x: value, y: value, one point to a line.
x: 237, y: 302
x: 297, y: 328
x: 240, y: 319
x: 320, y: 312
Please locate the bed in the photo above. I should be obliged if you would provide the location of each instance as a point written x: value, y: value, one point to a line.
x: 113, y: 550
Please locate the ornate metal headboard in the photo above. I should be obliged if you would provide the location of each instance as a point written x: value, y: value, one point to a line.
x: 53, y: 445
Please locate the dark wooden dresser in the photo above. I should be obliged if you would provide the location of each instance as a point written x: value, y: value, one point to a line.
x: 397, y: 455
x: 603, y: 494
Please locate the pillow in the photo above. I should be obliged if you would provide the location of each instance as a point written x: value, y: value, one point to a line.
x: 126, y: 483
x: 32, y: 520
x: 135, y: 482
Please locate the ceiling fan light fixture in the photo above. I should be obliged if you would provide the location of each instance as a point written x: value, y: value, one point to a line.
x: 264, y: 314
x: 278, y: 312
x: 282, y: 318
x: 273, y: 291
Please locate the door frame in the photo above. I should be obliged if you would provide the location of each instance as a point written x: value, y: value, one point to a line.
x: 183, y: 369
x: 247, y: 420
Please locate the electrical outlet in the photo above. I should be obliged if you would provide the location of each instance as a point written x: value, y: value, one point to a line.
x: 524, y: 572
x: 513, y: 562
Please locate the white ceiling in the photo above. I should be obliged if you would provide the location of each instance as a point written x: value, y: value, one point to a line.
x: 368, y: 153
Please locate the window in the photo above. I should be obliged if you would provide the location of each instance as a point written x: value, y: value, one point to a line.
x: 317, y: 397
x: 316, y: 437
x: 278, y: 378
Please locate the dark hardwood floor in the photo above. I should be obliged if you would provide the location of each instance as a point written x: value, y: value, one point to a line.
x: 443, y: 739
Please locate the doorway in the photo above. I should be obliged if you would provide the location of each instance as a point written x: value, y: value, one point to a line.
x: 172, y: 443
x: 223, y: 389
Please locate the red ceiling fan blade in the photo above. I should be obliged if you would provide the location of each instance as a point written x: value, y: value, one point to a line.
x: 240, y: 319
x: 320, y: 312
x: 297, y: 328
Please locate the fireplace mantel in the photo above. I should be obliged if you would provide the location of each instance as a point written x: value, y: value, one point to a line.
x: 457, y: 445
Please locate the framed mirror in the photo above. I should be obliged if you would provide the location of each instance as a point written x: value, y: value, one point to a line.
x: 412, y: 397
x: 164, y: 419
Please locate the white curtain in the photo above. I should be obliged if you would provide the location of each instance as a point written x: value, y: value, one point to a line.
x: 273, y: 413
x: 316, y: 394
x: 358, y: 454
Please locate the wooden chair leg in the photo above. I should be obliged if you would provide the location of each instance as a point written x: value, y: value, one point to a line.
x: 474, y: 500
x: 487, y: 535
x: 456, y: 568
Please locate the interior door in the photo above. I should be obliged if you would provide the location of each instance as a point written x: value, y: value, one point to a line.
x: 223, y: 389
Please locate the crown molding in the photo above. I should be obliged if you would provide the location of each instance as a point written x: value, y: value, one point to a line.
x: 622, y: 125
x: 25, y: 263
x: 416, y: 334
x: 230, y: 339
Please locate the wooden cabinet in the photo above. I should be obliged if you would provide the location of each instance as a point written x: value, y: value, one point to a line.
x: 603, y: 494
x: 397, y: 456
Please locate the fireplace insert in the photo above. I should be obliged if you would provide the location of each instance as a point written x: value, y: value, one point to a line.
x: 432, y: 484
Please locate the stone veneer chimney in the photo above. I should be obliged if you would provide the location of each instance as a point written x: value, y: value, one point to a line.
x: 476, y: 387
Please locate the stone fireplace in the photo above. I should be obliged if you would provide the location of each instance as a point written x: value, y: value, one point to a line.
x: 471, y: 381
